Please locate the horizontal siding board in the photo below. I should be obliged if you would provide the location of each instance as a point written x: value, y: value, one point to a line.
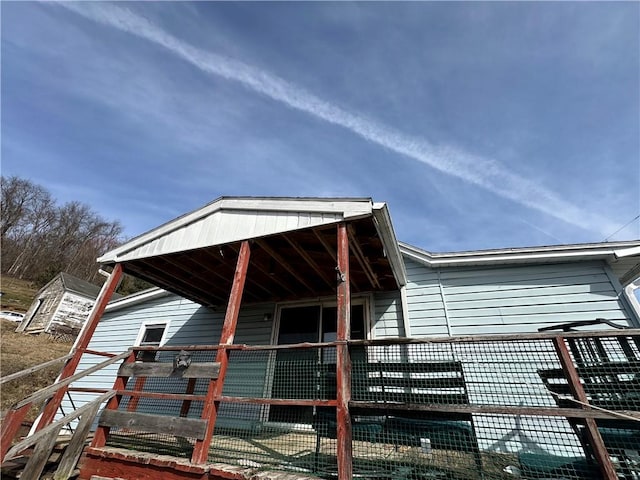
x: 535, y: 309
x: 602, y: 289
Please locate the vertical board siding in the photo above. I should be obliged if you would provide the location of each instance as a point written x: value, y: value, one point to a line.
x: 426, y: 307
x: 387, y: 320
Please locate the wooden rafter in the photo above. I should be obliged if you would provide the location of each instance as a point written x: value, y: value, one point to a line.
x: 227, y: 276
x: 158, y: 277
x: 310, y: 261
x: 362, y: 260
x: 263, y: 245
x: 192, y: 273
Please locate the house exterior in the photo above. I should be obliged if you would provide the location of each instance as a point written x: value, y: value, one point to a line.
x: 63, y: 303
x: 385, y: 290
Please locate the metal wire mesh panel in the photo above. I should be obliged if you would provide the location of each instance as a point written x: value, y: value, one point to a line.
x: 457, y: 408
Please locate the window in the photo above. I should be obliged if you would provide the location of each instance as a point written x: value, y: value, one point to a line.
x: 151, y: 335
x: 298, y: 324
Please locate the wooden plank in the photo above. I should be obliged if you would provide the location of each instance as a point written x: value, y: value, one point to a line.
x: 36, y: 368
x: 87, y: 332
x: 74, y: 449
x: 211, y: 406
x: 41, y: 454
x: 36, y: 437
x: 344, y: 435
x: 166, y: 370
x: 58, y: 386
x: 595, y: 439
x: 146, y: 422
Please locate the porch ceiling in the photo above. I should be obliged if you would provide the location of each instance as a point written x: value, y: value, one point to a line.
x: 295, y: 265
x: 293, y: 249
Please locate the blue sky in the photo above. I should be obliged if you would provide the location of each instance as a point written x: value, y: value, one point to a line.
x: 483, y: 125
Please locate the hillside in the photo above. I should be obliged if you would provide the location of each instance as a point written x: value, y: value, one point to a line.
x: 17, y: 352
x: 16, y: 294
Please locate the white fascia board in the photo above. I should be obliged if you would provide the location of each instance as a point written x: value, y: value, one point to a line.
x: 544, y: 254
x: 349, y: 207
x: 383, y: 224
x: 136, y: 298
x: 627, y: 252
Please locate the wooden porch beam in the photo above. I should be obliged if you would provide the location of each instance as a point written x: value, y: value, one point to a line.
x: 343, y: 361
x: 593, y: 434
x: 211, y: 405
x: 310, y: 261
x: 280, y: 259
x: 82, y: 343
x: 362, y: 260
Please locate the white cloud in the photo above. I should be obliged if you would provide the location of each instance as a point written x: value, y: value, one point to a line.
x: 449, y: 159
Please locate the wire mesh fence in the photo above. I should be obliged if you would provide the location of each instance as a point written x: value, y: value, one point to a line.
x: 458, y: 408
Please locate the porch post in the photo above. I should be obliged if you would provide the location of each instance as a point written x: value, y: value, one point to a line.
x: 343, y: 361
x: 81, y: 344
x: 595, y: 439
x: 211, y: 403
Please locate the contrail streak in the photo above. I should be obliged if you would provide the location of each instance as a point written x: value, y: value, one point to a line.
x: 477, y: 170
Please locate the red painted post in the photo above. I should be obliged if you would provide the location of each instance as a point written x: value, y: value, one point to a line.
x: 211, y: 405
x: 69, y: 369
x: 100, y: 437
x: 10, y: 426
x: 343, y: 361
x: 595, y: 439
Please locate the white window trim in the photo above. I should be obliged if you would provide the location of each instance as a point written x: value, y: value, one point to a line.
x: 365, y: 300
x: 148, y: 323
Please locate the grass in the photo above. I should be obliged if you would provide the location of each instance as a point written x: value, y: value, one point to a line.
x: 16, y: 294
x: 19, y: 351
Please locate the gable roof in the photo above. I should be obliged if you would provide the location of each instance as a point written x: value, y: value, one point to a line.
x: 622, y: 257
x: 79, y: 286
x: 293, y: 248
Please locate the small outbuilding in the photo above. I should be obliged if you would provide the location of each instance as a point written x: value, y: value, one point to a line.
x: 63, y: 304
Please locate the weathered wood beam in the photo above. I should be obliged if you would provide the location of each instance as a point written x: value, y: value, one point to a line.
x: 311, y: 262
x: 147, y: 422
x: 284, y: 264
x: 27, y: 371
x: 36, y: 437
x: 82, y: 343
x: 343, y: 361
x: 595, y: 439
x: 211, y: 406
x: 362, y: 260
x: 166, y: 370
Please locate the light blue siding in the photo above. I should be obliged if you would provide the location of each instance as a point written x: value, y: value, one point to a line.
x: 510, y: 299
x: 189, y: 324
